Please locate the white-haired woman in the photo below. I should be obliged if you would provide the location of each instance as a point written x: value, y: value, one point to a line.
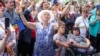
x: 44, y: 32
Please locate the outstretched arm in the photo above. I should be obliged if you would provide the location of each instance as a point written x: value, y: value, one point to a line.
x: 28, y: 24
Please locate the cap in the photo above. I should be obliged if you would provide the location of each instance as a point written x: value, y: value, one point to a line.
x: 98, y: 6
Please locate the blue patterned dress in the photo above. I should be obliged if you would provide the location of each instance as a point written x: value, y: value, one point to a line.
x: 44, y: 41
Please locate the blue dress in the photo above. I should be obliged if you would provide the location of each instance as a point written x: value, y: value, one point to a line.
x: 44, y: 41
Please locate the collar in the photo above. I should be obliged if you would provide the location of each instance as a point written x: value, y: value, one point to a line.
x: 6, y: 10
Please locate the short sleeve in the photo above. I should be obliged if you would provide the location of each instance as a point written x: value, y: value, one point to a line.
x: 55, y: 37
x: 77, y: 20
x: 69, y: 36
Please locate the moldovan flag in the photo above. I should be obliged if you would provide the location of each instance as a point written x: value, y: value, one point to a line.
x: 15, y: 26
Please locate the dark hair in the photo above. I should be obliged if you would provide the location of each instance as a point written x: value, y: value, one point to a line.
x: 2, y: 3
x: 42, y: 4
x: 76, y: 28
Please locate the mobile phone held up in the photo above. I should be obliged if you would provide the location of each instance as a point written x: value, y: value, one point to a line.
x: 7, y: 23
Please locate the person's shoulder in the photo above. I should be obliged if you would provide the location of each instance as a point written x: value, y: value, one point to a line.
x: 55, y: 37
x: 69, y: 36
x: 38, y: 25
x: 79, y: 18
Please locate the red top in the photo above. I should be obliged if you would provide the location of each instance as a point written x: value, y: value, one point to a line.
x: 33, y: 31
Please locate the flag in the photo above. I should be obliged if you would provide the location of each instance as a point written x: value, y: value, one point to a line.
x: 15, y: 26
x: 20, y: 25
x: 55, y: 1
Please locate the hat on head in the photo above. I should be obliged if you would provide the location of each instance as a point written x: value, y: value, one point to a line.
x: 98, y: 6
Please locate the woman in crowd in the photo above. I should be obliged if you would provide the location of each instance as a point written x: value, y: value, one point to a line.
x: 95, y: 28
x: 60, y: 40
x: 76, y: 12
x: 67, y: 18
x: 81, y: 44
x: 3, y: 41
x: 42, y: 5
x: 44, y: 32
x: 11, y: 41
x: 82, y: 22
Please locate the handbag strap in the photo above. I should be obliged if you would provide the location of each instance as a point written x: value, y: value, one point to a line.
x: 85, y: 25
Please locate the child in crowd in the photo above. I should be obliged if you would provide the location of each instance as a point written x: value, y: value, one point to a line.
x: 60, y: 40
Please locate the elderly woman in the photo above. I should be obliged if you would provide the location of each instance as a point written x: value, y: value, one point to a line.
x: 44, y: 32
x: 10, y: 42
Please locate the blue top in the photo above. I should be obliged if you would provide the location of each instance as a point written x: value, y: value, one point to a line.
x: 44, y: 41
x: 13, y: 17
x: 94, y: 28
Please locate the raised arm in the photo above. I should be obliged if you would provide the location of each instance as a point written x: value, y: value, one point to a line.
x: 66, y: 9
x: 28, y: 24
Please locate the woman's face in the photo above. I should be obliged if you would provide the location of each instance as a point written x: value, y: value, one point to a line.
x: 46, y: 16
x: 92, y: 4
x: 77, y: 8
x: 62, y: 29
x: 84, y: 14
x: 1, y: 8
x: 10, y: 4
x: 45, y: 6
x: 76, y: 32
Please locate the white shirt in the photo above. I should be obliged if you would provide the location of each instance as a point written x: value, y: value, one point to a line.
x: 11, y: 38
x: 83, y: 24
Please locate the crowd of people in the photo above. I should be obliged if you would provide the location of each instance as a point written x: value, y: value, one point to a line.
x: 44, y: 28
